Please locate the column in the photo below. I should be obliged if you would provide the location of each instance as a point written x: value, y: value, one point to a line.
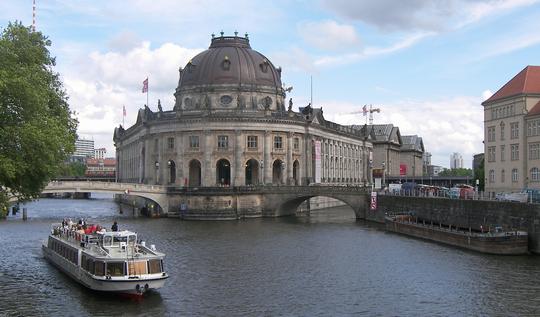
x: 208, y: 177
x: 289, y: 175
x: 238, y: 166
x: 267, y: 169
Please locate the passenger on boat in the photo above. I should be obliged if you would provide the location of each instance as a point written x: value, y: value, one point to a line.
x: 114, y: 226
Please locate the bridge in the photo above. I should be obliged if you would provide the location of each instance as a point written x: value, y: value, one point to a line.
x: 223, y: 202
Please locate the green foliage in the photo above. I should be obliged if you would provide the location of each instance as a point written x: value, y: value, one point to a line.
x: 479, y: 174
x: 456, y: 172
x: 37, y: 130
x: 72, y: 169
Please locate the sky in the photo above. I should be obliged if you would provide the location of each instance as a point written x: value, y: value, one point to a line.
x: 427, y: 65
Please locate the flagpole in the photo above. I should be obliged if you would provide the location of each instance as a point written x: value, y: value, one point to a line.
x: 147, y: 88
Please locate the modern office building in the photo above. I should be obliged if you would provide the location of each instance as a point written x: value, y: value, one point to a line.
x: 456, y: 161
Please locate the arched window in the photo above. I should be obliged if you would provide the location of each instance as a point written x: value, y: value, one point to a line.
x: 535, y: 174
x: 492, y: 176
x: 514, y: 175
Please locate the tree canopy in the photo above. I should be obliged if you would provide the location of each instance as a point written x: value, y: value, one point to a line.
x: 37, y: 128
x: 456, y: 172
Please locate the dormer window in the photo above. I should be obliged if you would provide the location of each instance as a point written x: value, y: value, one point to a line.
x: 226, y: 64
x: 264, y: 66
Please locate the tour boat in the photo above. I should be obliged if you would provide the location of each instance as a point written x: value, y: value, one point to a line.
x: 107, y: 261
x: 501, y: 242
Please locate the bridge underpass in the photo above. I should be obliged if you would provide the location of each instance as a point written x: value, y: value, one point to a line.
x: 224, y: 202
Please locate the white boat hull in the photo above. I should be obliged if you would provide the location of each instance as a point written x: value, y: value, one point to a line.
x: 124, y: 285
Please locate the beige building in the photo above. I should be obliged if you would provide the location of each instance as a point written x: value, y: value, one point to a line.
x: 512, y: 134
x: 232, y: 126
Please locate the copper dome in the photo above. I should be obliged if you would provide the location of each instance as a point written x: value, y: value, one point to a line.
x: 230, y: 61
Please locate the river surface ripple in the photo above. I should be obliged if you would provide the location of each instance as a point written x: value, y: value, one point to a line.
x: 324, y: 265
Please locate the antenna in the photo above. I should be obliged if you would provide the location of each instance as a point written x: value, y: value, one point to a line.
x: 311, y: 89
x: 34, y: 15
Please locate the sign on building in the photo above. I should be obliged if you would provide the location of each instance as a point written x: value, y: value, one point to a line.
x: 402, y: 169
x: 373, y: 204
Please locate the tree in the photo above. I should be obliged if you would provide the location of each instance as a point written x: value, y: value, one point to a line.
x: 456, y: 172
x: 479, y: 174
x: 37, y: 130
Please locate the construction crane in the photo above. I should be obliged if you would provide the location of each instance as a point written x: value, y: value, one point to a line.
x: 365, y: 111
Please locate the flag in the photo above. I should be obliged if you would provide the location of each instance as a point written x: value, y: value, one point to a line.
x: 124, y: 110
x: 364, y: 110
x: 145, y: 85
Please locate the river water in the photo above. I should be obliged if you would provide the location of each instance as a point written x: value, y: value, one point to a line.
x: 327, y: 264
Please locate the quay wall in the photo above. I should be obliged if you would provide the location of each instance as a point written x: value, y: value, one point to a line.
x: 465, y: 213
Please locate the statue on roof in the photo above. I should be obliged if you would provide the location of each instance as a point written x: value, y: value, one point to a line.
x: 159, y: 106
x: 290, y: 104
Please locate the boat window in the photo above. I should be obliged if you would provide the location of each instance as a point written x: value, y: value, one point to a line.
x: 115, y: 268
x: 90, y: 265
x: 107, y: 240
x: 99, y: 268
x: 136, y: 268
x: 120, y: 239
x: 154, y: 266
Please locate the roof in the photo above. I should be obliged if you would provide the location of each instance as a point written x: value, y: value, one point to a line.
x: 412, y: 143
x: 526, y: 81
x: 535, y: 110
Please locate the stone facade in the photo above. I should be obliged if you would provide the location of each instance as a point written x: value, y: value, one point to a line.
x: 512, y: 134
x: 230, y: 127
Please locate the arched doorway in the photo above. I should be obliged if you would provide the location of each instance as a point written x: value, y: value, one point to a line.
x: 252, y: 172
x: 277, y: 171
x: 223, y: 172
x: 296, y: 172
x: 194, y: 173
x: 172, y: 171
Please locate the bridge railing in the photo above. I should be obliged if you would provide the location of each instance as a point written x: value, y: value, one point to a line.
x: 318, y: 190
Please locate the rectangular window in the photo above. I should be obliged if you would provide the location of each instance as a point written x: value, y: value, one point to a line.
x: 534, y: 151
x: 296, y: 144
x: 115, y: 268
x: 170, y: 143
x: 502, y: 131
x: 278, y: 142
x: 252, y: 141
x: 514, y: 130
x: 99, y: 268
x: 154, y: 266
x: 137, y: 267
x: 514, y: 152
x: 502, y: 153
x: 223, y: 141
x: 491, y: 134
x: 491, y: 154
x: 194, y: 141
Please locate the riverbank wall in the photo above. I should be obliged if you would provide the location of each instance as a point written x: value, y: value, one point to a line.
x: 474, y: 214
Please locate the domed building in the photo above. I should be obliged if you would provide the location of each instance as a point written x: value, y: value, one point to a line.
x: 232, y: 126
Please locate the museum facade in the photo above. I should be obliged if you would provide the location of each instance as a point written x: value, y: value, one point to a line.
x: 231, y: 125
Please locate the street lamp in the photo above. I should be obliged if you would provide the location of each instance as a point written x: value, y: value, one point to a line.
x: 157, y: 172
x: 261, y: 163
x: 383, y: 172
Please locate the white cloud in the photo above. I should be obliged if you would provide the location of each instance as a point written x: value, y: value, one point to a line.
x: 486, y: 94
x: 453, y: 124
x: 329, y: 35
x: 421, y: 15
x: 100, y: 84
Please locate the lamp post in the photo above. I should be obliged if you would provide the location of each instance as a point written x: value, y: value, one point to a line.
x: 157, y: 172
x: 383, y: 172
x: 261, y: 163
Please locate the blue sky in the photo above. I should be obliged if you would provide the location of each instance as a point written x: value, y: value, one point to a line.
x: 427, y: 65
